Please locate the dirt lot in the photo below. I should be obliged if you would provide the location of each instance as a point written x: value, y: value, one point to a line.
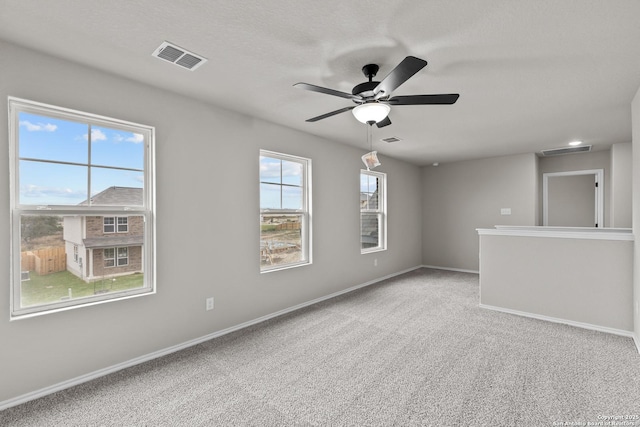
x: 288, y: 255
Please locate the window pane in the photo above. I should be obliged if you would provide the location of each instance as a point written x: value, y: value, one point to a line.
x: 280, y: 239
x: 373, y: 201
x: 270, y: 196
x: 112, y: 147
x: 292, y: 173
x: 109, y: 224
x: 47, y: 138
x: 369, y: 230
x: 122, y: 187
x: 52, y: 183
x: 55, y: 266
x: 368, y: 183
x: 291, y: 198
x: 122, y: 224
x: 270, y: 170
x: 364, y: 183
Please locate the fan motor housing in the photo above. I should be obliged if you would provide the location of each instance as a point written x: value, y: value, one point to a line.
x: 364, y: 89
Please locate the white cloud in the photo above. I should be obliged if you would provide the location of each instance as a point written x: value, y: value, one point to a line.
x: 96, y: 135
x: 48, y: 192
x: 269, y: 170
x: 136, y: 138
x: 39, y: 127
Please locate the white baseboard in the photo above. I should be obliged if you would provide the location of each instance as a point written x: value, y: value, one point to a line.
x: 156, y: 354
x: 636, y: 339
x: 459, y: 270
x: 582, y: 325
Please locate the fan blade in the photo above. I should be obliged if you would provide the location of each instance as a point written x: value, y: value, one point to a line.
x: 325, y: 90
x: 407, y: 68
x: 384, y: 122
x: 333, y: 113
x: 449, y: 98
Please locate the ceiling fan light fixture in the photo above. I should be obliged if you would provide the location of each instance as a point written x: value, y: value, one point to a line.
x: 371, y: 112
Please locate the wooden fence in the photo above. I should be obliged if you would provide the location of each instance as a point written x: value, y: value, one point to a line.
x: 44, y: 261
x: 288, y: 226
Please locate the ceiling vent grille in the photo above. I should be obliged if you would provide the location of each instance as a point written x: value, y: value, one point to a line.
x: 179, y: 56
x: 566, y: 150
x: 390, y: 139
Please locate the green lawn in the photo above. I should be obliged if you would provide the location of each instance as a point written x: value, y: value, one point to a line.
x: 52, y: 287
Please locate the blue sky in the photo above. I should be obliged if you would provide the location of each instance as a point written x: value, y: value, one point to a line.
x: 368, y: 183
x: 57, y: 140
x: 275, y: 172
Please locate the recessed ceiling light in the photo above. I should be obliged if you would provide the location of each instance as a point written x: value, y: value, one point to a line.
x: 436, y: 164
x: 574, y: 143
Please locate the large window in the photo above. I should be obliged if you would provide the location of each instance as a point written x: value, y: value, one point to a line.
x: 285, y: 207
x: 373, y: 218
x: 71, y: 174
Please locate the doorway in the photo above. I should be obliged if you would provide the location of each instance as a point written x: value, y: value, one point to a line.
x: 573, y: 199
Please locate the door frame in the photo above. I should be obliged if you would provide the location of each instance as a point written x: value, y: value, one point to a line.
x: 599, y: 193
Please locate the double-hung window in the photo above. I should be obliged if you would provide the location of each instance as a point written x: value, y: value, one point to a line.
x: 110, y: 223
x: 285, y: 211
x: 82, y: 208
x: 373, y: 211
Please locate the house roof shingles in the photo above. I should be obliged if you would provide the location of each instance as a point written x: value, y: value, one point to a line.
x: 111, y: 241
x: 115, y: 196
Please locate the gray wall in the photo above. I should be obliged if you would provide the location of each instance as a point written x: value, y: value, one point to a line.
x: 576, y: 162
x: 580, y: 280
x: 621, y: 195
x: 635, y: 111
x: 207, y: 226
x: 460, y: 197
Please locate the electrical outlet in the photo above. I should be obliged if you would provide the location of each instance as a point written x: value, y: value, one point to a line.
x: 375, y: 262
x: 210, y: 303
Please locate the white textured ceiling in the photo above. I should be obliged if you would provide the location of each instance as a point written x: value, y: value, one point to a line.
x: 531, y: 74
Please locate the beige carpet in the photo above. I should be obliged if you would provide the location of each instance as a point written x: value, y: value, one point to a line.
x: 414, y: 350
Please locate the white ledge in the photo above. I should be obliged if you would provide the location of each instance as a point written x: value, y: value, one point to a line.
x: 559, y: 232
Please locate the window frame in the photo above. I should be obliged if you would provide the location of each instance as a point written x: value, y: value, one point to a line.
x: 380, y: 211
x: 18, y: 209
x: 111, y: 226
x: 304, y: 212
x: 111, y: 257
x: 115, y: 225
x: 125, y: 224
x: 118, y: 257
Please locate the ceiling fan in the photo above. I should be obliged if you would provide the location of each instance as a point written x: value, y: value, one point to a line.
x: 373, y: 98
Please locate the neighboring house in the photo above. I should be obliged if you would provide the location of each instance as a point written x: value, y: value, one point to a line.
x: 369, y: 221
x: 106, y: 246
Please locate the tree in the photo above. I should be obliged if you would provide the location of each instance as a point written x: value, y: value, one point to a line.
x: 32, y: 227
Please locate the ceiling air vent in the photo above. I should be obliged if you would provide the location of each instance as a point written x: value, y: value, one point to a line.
x: 566, y: 150
x: 179, y: 56
x: 391, y: 139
